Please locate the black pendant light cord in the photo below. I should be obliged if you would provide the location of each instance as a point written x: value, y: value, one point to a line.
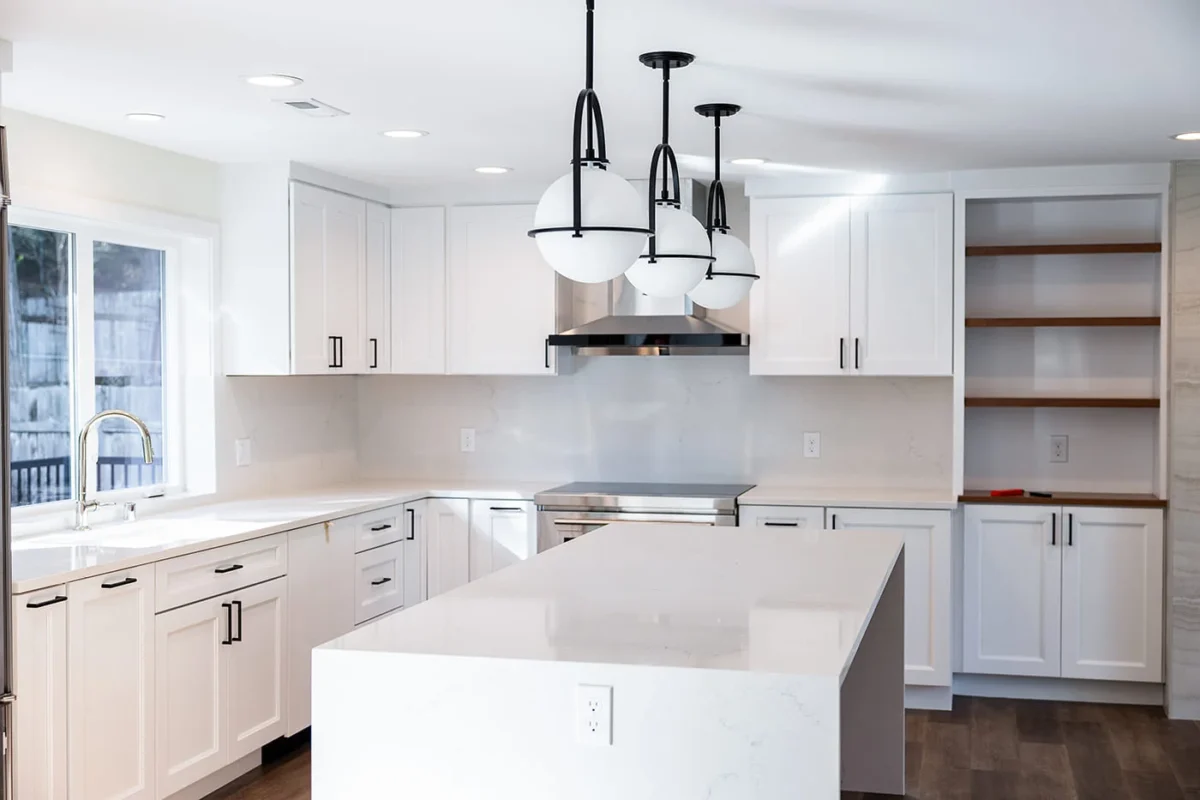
x: 717, y: 218
x: 664, y: 154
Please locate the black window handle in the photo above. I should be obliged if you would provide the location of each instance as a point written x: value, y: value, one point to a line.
x: 856, y: 355
x: 374, y: 354
x: 228, y: 569
x: 228, y: 623
x: 237, y: 638
x: 412, y: 523
x: 781, y: 524
x: 506, y: 508
x: 1070, y: 530
x: 842, y: 353
x: 118, y: 584
x: 379, y: 528
x: 1053, y: 528
x: 53, y: 601
x: 380, y: 581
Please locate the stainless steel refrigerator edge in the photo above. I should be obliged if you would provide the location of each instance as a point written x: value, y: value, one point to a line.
x: 6, y: 696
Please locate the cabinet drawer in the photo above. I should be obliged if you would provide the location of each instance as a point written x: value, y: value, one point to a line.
x: 378, y: 582
x: 198, y: 576
x: 781, y: 517
x: 379, y: 528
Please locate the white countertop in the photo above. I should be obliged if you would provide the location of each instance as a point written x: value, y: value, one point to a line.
x: 667, y: 596
x: 44, y: 560
x: 849, y: 497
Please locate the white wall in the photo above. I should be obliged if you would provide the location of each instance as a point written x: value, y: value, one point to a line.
x: 659, y: 419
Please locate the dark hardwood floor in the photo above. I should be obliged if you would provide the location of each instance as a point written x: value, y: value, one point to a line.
x: 982, y: 750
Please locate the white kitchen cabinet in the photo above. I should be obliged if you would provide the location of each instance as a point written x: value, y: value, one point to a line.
x: 443, y: 531
x: 320, y: 586
x: 256, y: 673
x: 110, y: 686
x: 1112, y: 594
x: 376, y: 301
x: 416, y: 581
x: 802, y: 517
x: 378, y: 582
x: 502, y: 301
x: 418, y: 291
x: 927, y: 584
x: 902, y: 284
x: 40, y: 683
x: 503, y: 532
x: 853, y: 286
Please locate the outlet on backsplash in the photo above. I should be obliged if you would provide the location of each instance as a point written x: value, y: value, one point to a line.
x: 466, y: 438
x: 242, y: 455
x: 1058, y: 450
x: 812, y: 445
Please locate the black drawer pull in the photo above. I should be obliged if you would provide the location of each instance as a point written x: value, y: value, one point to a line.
x: 227, y: 570
x: 507, y: 508
x: 781, y: 524
x: 380, y: 581
x: 53, y: 601
x: 118, y: 584
x: 379, y: 528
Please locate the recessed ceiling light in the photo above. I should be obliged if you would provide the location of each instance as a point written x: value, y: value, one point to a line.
x: 1193, y: 136
x: 274, y: 81
x: 405, y: 134
x: 748, y: 162
x: 144, y: 116
x: 492, y: 170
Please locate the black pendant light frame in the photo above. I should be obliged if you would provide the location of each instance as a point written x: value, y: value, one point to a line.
x: 717, y: 219
x: 587, y: 107
x: 664, y: 155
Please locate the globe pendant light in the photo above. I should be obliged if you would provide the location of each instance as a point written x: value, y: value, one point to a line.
x: 679, y: 253
x: 588, y: 225
x: 732, y: 274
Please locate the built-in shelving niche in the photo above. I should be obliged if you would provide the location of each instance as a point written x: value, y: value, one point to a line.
x: 1064, y: 307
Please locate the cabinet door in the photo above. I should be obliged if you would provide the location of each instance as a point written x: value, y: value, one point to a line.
x: 416, y: 554
x: 800, y: 316
x: 902, y: 284
x: 502, y: 295
x: 503, y: 532
x: 1012, y: 578
x: 320, y: 585
x: 927, y: 584
x: 110, y: 688
x: 418, y: 291
x: 40, y: 683
x: 255, y: 671
x: 376, y: 299
x: 190, y: 691
x: 447, y: 546
x: 1112, y: 594
x: 802, y: 517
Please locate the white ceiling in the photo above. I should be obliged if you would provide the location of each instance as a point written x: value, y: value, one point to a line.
x: 879, y: 85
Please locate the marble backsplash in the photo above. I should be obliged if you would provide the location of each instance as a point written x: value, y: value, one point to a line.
x: 695, y: 419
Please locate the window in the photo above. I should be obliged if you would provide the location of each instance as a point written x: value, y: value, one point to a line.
x: 87, y: 333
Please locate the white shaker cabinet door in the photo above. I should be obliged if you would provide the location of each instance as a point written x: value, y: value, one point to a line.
x: 110, y: 689
x: 1012, y: 578
x: 503, y: 532
x: 927, y: 584
x: 376, y: 300
x: 1112, y: 594
x: 781, y: 517
x: 446, y: 539
x: 255, y: 675
x: 418, y: 291
x: 902, y: 284
x: 799, y: 316
x: 40, y: 683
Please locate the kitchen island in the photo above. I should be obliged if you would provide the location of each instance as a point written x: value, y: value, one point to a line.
x: 639, y: 661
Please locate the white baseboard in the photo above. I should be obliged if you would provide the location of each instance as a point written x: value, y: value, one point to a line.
x: 209, y: 784
x: 928, y: 698
x: 1061, y: 689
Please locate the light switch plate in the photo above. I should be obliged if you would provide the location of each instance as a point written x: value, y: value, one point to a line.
x: 241, y: 449
x: 812, y: 445
x: 467, y: 439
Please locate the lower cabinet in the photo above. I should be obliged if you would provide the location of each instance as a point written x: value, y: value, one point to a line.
x: 1071, y: 592
x: 378, y: 582
x: 502, y: 533
x: 40, y: 682
x: 443, y: 531
x: 804, y: 517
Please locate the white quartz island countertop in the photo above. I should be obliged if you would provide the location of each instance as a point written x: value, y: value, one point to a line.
x: 729, y: 655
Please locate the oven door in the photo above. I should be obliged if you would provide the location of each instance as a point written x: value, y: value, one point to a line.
x: 556, y: 527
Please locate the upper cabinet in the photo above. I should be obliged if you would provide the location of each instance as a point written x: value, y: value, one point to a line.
x: 418, y: 291
x: 377, y: 289
x: 853, y: 286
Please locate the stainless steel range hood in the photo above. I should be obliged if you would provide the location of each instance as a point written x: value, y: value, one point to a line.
x: 653, y: 335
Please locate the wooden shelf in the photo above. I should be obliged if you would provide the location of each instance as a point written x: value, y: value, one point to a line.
x: 1062, y: 249
x: 1063, y: 402
x: 1069, y: 499
x: 1064, y: 322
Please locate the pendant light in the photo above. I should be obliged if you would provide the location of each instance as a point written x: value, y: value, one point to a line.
x: 588, y: 224
x: 732, y: 274
x: 678, y: 254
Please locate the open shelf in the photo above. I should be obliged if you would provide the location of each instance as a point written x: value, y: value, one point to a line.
x: 1062, y: 249
x: 1063, y: 402
x: 1127, y: 500
x: 1064, y: 322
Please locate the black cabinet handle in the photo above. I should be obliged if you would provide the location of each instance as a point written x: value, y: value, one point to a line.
x: 339, y: 352
x: 856, y: 353
x: 412, y: 523
x: 228, y: 623
x: 118, y: 584
x: 379, y: 528
x: 333, y: 354
x: 547, y: 353
x: 1053, y: 529
x: 53, y: 601
x: 237, y: 638
x: 380, y: 581
x: 374, y: 353
x: 833, y: 521
x: 506, y: 508
x: 228, y: 569
x: 781, y: 524
x: 1070, y: 530
x: 842, y: 353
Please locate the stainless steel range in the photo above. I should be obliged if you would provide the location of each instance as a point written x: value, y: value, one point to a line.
x: 573, y: 510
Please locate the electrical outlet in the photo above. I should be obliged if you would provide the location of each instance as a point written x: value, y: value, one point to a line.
x: 1058, y: 449
x: 594, y: 715
x: 812, y: 445
x: 241, y: 451
x: 466, y: 438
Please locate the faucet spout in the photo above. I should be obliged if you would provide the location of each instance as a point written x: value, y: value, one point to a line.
x: 82, y: 504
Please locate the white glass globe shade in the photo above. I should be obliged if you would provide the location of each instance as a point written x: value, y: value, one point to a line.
x: 725, y: 291
x: 676, y: 233
x: 596, y: 256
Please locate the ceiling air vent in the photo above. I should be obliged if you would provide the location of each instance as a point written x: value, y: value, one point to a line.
x: 314, y: 108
